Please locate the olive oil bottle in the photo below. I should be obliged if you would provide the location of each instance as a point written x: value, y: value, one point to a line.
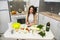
x: 47, y: 26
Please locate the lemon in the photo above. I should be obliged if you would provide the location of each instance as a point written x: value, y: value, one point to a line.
x: 16, y: 25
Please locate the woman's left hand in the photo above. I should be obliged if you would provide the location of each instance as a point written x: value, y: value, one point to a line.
x: 30, y: 24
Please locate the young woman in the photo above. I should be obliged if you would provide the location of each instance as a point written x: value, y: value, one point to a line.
x: 31, y: 16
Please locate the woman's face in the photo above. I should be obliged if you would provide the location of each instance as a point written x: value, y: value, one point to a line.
x: 31, y: 10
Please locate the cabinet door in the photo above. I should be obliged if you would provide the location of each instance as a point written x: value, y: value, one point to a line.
x: 54, y: 27
x: 41, y: 18
x: 58, y: 31
x: 5, y: 19
x: 46, y: 19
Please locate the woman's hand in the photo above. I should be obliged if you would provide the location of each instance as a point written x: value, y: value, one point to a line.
x: 30, y: 24
x: 27, y: 23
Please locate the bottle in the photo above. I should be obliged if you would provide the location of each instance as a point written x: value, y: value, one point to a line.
x: 47, y: 26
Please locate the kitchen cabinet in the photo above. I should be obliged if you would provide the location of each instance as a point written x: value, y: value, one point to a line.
x: 46, y: 19
x: 54, y: 25
x: 51, y: 0
x: 56, y: 28
x: 58, y: 31
x: 43, y: 19
x: 15, y: 18
x: 40, y: 18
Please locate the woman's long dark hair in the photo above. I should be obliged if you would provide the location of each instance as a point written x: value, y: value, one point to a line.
x: 34, y: 12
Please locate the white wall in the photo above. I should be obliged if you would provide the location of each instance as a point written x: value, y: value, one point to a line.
x: 3, y: 5
x: 10, y: 0
x: 26, y: 0
x: 34, y: 2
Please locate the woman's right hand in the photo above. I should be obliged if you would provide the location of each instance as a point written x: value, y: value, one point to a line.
x: 27, y: 23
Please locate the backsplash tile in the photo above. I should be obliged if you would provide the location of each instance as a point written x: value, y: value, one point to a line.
x: 54, y: 5
x: 16, y: 5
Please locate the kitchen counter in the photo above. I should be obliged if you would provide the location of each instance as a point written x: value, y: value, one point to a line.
x: 51, y: 15
x: 17, y: 35
x: 17, y: 13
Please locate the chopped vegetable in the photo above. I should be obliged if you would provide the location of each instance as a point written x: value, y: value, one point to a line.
x: 40, y: 26
x: 42, y: 33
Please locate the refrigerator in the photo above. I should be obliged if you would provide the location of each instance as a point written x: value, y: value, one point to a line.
x: 4, y: 16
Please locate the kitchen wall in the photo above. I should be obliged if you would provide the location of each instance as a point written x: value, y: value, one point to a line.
x: 41, y: 6
x: 52, y: 7
x: 16, y: 5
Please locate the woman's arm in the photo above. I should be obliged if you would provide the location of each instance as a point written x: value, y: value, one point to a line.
x: 26, y: 19
x: 35, y: 19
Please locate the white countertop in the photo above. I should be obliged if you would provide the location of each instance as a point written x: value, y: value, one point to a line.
x: 18, y: 16
x: 49, y: 35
